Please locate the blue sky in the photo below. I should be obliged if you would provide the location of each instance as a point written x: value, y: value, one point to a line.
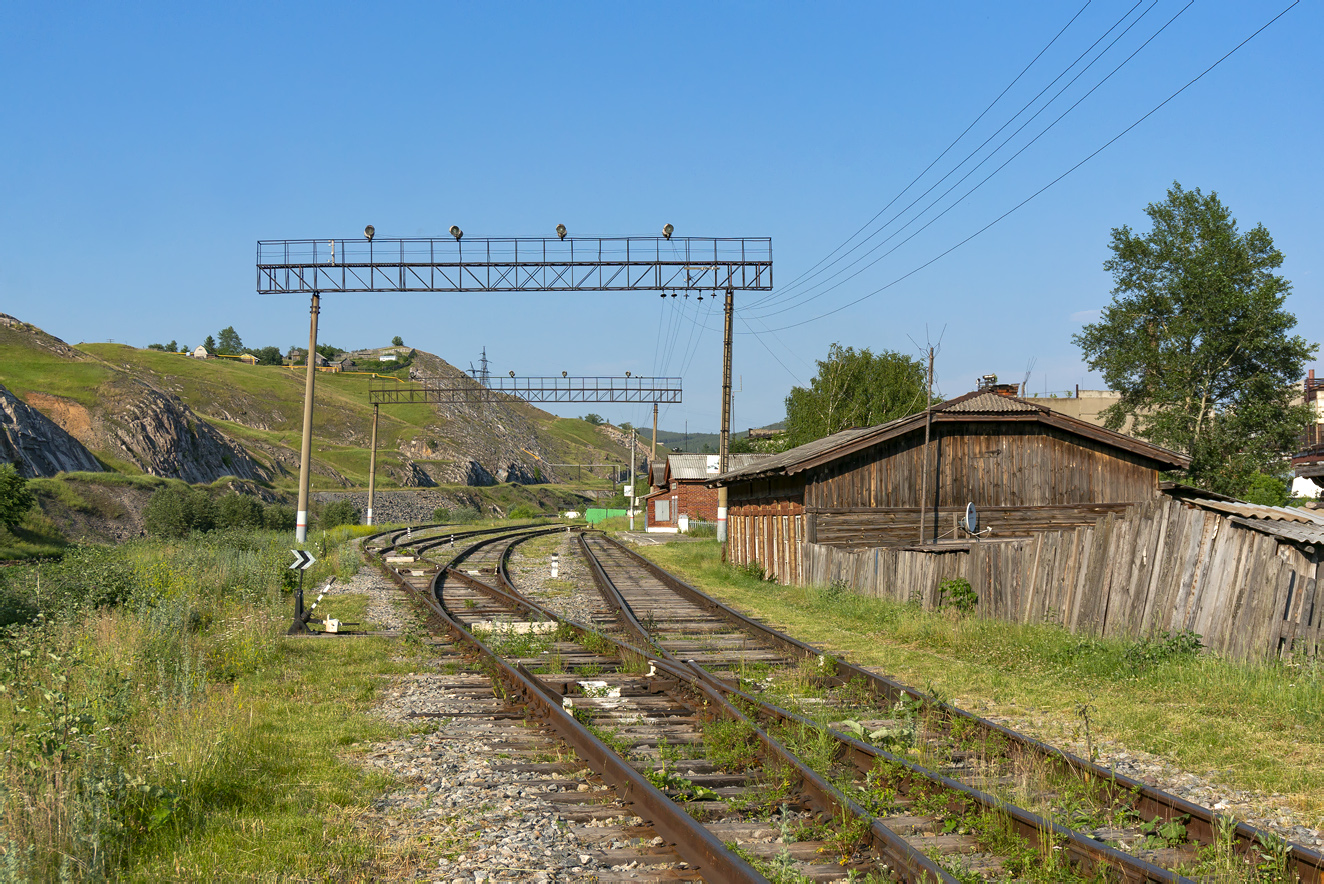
x: 146, y: 148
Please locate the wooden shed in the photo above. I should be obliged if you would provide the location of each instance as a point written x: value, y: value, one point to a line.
x: 1025, y: 468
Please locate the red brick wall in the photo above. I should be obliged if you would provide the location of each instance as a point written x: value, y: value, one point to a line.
x: 696, y: 501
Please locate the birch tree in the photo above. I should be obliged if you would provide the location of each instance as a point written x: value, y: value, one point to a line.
x: 1196, y: 341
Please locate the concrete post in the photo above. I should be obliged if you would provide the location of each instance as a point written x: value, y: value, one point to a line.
x: 306, y: 449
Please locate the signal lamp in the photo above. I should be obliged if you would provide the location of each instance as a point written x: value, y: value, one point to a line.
x: 561, y: 231
x: 369, y: 232
x: 667, y: 230
x: 456, y: 232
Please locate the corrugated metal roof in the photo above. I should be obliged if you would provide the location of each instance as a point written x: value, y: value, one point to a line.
x: 704, y: 466
x: 1301, y: 533
x: 1260, y: 512
x: 987, y: 403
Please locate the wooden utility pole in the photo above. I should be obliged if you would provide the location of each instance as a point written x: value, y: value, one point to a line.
x: 924, y: 483
x: 724, y: 439
x: 372, y: 463
x: 306, y: 449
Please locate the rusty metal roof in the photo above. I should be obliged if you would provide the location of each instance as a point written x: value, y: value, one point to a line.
x: 1259, y: 511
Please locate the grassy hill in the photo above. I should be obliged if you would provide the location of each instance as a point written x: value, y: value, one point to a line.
x: 261, y: 408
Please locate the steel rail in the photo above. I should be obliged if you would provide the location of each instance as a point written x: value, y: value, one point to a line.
x: 1094, y: 857
x: 818, y: 793
x: 1201, y: 823
x: 699, y: 847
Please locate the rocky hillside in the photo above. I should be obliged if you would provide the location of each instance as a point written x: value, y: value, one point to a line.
x: 168, y: 415
x: 107, y: 411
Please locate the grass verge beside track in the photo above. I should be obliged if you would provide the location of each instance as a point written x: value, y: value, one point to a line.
x: 1257, y: 727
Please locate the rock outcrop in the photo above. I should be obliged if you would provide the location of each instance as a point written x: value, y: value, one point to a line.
x: 165, y: 438
x: 36, y: 445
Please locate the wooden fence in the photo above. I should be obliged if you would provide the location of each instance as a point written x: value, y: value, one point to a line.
x: 1160, y: 566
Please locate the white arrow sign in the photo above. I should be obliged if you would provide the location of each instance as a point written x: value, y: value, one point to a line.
x: 302, y: 560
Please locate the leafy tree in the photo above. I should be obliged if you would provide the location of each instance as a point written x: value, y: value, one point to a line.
x: 1266, y: 490
x: 708, y: 449
x: 1196, y: 341
x: 171, y: 347
x: 210, y: 344
x: 329, y: 352
x: 339, y: 512
x: 228, y: 342
x: 267, y: 355
x: 156, y: 347
x: 15, y: 496
x: 397, y: 341
x: 594, y: 419
x: 854, y: 389
x: 523, y: 511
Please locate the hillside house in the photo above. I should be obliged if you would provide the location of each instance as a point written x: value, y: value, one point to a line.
x: 681, y: 493
x: 1024, y: 467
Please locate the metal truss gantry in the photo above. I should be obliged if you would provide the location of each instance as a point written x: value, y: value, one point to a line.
x: 665, y: 391
x: 510, y: 264
x: 514, y: 264
x: 437, y: 390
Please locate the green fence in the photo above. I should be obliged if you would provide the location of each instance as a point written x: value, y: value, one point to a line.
x: 594, y: 515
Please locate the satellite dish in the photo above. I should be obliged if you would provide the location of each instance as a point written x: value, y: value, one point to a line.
x: 971, y: 519
x: 369, y: 232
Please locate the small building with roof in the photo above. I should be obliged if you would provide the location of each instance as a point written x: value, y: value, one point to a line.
x: 1022, y: 466
x: 681, y: 493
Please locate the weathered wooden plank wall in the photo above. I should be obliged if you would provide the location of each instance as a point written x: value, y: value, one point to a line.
x: 1159, y: 566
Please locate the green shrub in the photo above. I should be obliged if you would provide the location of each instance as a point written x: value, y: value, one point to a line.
x: 523, y: 511
x: 177, y: 512
x: 239, y: 511
x: 15, y: 497
x: 441, y: 514
x: 463, y: 515
x: 16, y: 606
x: 279, y: 517
x: 957, y: 593
x: 339, y: 512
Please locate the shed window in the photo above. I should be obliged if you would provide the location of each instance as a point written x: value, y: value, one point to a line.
x: 662, y: 510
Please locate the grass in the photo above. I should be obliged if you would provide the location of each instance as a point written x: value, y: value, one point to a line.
x: 1249, y: 726
x: 178, y: 734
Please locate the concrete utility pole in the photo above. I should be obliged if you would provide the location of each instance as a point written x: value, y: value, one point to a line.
x: 306, y: 450
x: 372, y: 463
x: 652, y: 452
x: 725, y: 438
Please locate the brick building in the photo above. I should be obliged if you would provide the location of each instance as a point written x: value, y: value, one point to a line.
x: 680, y: 494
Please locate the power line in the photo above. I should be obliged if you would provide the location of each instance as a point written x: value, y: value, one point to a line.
x: 802, y: 300
x: 1032, y: 196
x: 987, y: 178
x: 944, y: 153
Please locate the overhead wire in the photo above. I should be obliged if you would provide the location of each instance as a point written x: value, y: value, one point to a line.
x: 955, y: 142
x: 1050, y: 184
x: 784, y: 294
x: 807, y: 297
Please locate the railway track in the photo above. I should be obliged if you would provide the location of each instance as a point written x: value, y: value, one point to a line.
x: 675, y: 724
x: 880, y: 722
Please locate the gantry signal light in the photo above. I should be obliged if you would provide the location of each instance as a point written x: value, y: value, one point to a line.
x: 561, y: 231
x: 667, y: 230
x: 369, y: 232
x: 456, y: 232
